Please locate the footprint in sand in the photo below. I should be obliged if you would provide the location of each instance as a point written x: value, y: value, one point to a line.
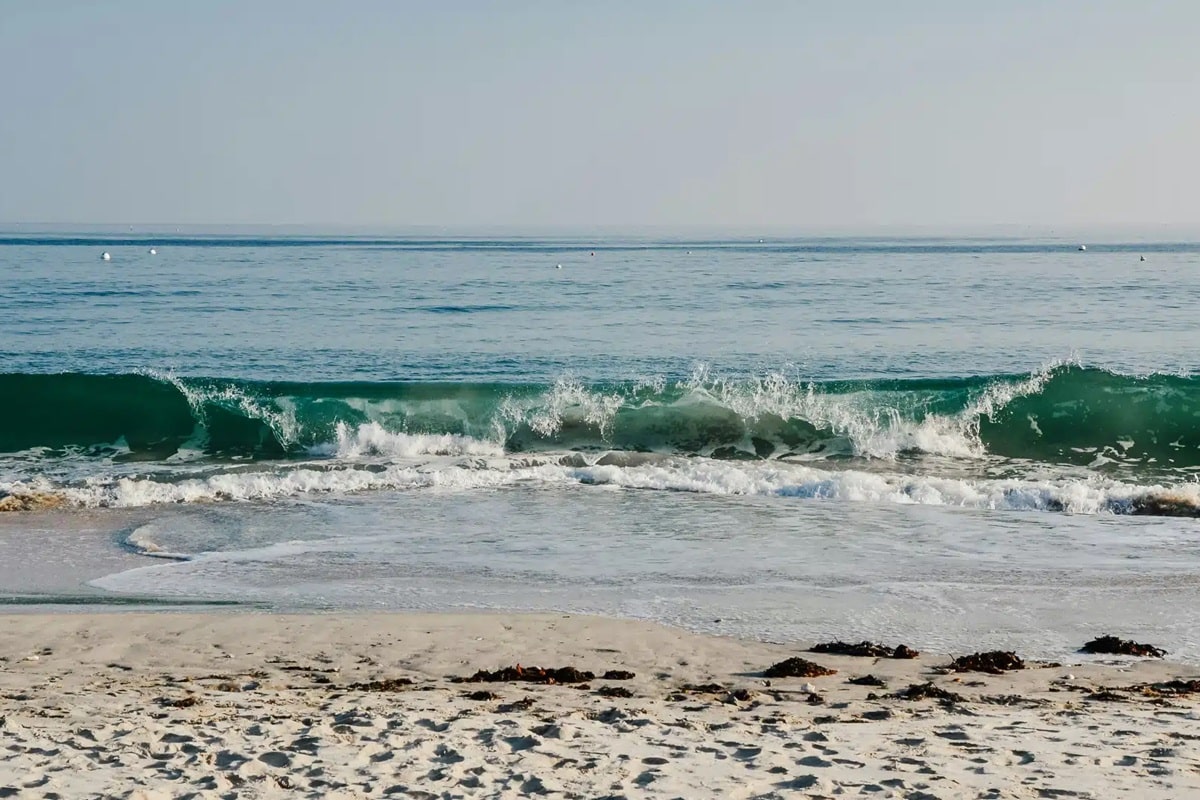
x: 745, y: 753
x: 1025, y: 756
x: 448, y: 755
x: 409, y: 793
x: 309, y: 745
x: 646, y: 778
x: 175, y: 738
x: 800, y: 782
x: 955, y: 734
x: 432, y: 725
x: 519, y: 743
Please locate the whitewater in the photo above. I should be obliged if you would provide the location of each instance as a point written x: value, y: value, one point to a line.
x: 953, y: 441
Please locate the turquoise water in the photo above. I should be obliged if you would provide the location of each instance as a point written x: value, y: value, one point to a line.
x: 950, y: 440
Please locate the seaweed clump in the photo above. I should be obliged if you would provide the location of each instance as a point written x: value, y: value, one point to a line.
x: 996, y: 662
x: 868, y: 680
x: 927, y: 691
x: 386, y: 685
x: 529, y: 675
x: 796, y: 667
x: 704, y: 688
x: 30, y: 501
x: 1172, y: 688
x: 1164, y: 504
x: 864, y: 650
x: 1111, y: 645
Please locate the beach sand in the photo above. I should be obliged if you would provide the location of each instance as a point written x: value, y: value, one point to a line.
x: 244, y: 705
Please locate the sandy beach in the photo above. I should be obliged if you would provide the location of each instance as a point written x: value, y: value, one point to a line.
x: 158, y: 705
x: 606, y: 401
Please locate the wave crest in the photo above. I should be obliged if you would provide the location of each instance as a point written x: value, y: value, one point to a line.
x: 1064, y: 413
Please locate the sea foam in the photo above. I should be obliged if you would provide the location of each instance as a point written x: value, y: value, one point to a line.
x: 485, y: 469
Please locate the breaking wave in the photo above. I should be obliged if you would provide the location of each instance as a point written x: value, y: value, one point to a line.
x: 1062, y: 414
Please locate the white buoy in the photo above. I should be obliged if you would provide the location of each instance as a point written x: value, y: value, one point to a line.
x: 105, y: 255
x: 153, y: 252
x: 559, y: 266
x: 1082, y: 247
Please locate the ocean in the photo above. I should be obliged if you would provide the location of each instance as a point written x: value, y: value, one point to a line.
x: 958, y: 443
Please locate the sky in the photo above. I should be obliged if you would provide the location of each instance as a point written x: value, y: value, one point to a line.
x: 809, y: 116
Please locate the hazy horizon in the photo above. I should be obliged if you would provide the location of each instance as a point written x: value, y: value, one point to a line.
x: 1092, y: 235
x: 771, y: 116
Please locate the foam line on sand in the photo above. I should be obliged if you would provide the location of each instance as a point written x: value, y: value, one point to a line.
x: 166, y: 705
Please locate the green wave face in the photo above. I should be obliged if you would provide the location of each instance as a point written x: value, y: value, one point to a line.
x: 159, y: 416
x: 59, y: 411
x: 1080, y: 415
x: 1067, y: 414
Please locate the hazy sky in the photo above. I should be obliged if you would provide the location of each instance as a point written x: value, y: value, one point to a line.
x: 810, y: 115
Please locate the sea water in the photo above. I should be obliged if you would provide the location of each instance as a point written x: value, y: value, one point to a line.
x: 957, y: 443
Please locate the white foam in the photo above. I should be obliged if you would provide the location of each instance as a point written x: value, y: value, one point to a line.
x: 1081, y: 495
x: 874, y: 429
x: 142, y: 538
x: 372, y: 439
x: 278, y: 415
x: 569, y: 400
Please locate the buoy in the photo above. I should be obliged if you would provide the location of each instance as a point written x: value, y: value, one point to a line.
x: 106, y: 256
x: 1082, y: 247
x: 559, y: 266
x: 153, y: 252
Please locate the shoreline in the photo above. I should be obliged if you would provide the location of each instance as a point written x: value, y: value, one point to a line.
x: 71, y: 562
x: 321, y: 705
